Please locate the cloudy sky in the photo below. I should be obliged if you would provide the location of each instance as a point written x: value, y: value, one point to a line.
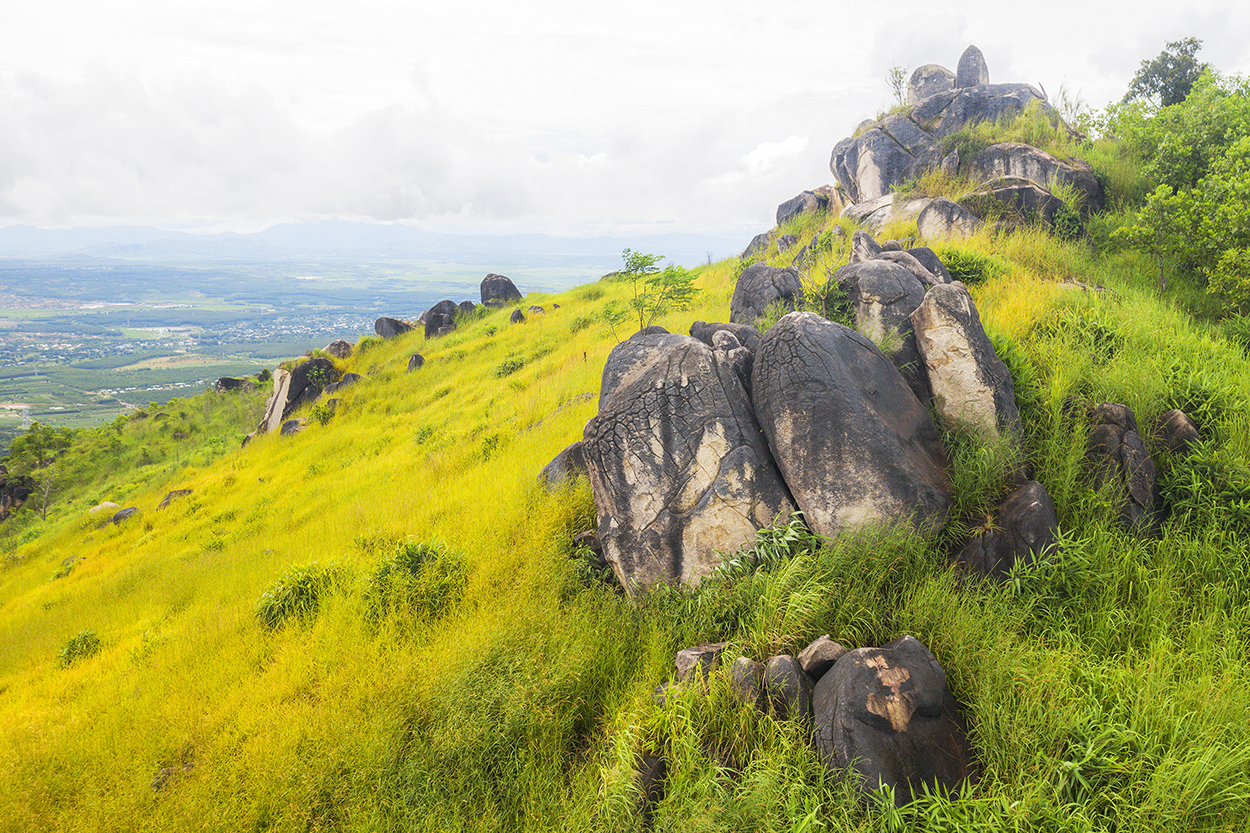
x: 491, y: 115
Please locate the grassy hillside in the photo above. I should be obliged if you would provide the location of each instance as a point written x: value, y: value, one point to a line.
x: 279, y: 651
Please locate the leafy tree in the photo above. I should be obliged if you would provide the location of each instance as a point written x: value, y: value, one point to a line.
x: 38, y: 447
x: 1160, y: 228
x: 898, y: 83
x: 656, y: 291
x: 1168, y: 78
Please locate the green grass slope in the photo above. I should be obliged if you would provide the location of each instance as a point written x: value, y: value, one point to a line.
x: 278, y: 651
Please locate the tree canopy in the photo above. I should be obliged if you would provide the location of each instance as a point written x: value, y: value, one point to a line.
x: 1167, y: 79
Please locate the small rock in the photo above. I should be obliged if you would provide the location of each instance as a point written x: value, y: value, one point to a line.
x: 1176, y: 431
x: 348, y: 380
x: 415, y: 362
x: 339, y: 349
x: 703, y: 658
x: 652, y: 775
x: 128, y: 512
x: 819, y: 656
x: 107, y: 506
x: 746, y: 680
x: 293, y: 426
x: 518, y: 317
x: 789, y: 690
x: 172, y: 496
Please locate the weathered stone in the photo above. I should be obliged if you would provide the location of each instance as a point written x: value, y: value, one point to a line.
x: 759, y: 287
x: 631, y: 358
x: 536, y: 310
x: 128, y: 512
x: 786, y: 242
x: 883, y: 296
x: 874, y: 215
x: 275, y: 408
x: 1118, y: 456
x: 466, y: 308
x: 229, y: 383
x: 932, y: 262
x: 1024, y: 200
x: 758, y: 246
x: 1024, y: 530
x: 442, y: 314
x: 678, y: 468
x: 652, y: 330
x: 789, y: 690
x: 971, y: 70
x: 415, y: 362
x: 853, y: 443
x: 887, y: 715
x: 339, y: 349
x: 518, y: 317
x: 943, y: 218
x: 909, y: 262
x: 700, y: 659
x: 807, y: 202
x: 108, y: 507
x: 171, y: 497
x: 390, y: 327
x: 929, y: 80
x: 948, y: 112
x: 863, y: 247
x: 894, y: 150
x: 746, y: 680
x: 747, y: 336
x: 972, y: 388
x: 293, y: 426
x: 247, y: 438
x: 1176, y: 431
x: 1013, y: 159
x: 347, y: 381
x: 499, y: 288
x: 819, y: 656
x: 307, y: 381
x: 564, y: 467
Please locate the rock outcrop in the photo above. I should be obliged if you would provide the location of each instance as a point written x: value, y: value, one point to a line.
x: 928, y: 80
x: 759, y: 287
x: 1013, y: 159
x: 888, y: 716
x: 440, y: 318
x: 294, y: 388
x: 339, y: 349
x: 851, y: 440
x: 390, y: 327
x: 678, y: 467
x: 972, y: 388
x: 972, y: 70
x: 945, y: 218
x: 883, y: 296
x: 499, y: 288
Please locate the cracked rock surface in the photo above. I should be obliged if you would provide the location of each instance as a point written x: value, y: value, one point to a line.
x: 850, y: 438
x: 678, y: 466
x: 888, y: 715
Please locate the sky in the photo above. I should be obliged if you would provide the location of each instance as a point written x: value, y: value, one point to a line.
x: 494, y: 116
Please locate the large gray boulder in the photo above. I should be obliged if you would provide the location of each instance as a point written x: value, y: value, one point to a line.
x: 294, y: 388
x: 882, y: 294
x: 972, y: 70
x: 1013, y: 159
x: 440, y: 317
x: 1120, y: 461
x: 853, y: 443
x: 390, y: 327
x: 1024, y: 201
x: 972, y: 388
x: 1025, y: 529
x: 499, y: 288
x: 678, y: 467
x: 759, y: 287
x: 808, y: 202
x: 631, y: 358
x: 888, y: 716
x: 943, y: 218
x: 758, y: 246
x: 928, y: 80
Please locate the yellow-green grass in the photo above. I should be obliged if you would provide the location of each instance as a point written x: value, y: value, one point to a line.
x: 526, y: 705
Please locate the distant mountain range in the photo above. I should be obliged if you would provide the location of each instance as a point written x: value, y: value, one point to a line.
x: 331, y: 240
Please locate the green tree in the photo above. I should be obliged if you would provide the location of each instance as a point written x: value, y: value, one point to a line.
x: 1160, y: 229
x: 38, y: 447
x: 1167, y: 79
x: 898, y: 83
x: 655, y: 291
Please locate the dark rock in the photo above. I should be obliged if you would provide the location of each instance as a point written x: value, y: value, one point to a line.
x: 247, y: 438
x: 171, y: 497
x: 807, y: 202
x: 537, y: 311
x: 518, y: 317
x: 929, y: 260
x: 229, y: 383
x: 499, y: 288
x: 909, y: 262
x: 746, y: 680
x: 928, y: 80
x: 440, y: 316
x: 415, y: 362
x: 863, y: 247
x: 819, y: 656
x: 883, y: 295
x: 891, y: 246
x: 786, y: 242
x: 971, y: 70
x: 390, y: 327
x: 568, y: 464
x: 339, y: 349
x: 555, y: 306
x: 1176, y: 431
x: 293, y: 426
x: 972, y: 388
x: 747, y: 336
x: 493, y: 304
x: 1024, y: 530
x: 652, y: 776
x: 678, y: 467
x: 759, y: 287
x: 651, y: 330
x: 872, y: 164
x: 332, y: 405
x: 759, y: 245
x: 347, y: 381
x: 853, y: 443
x: 128, y: 512
x: 888, y: 716
x: 1118, y: 456
x: 308, y: 380
x: 944, y: 218
x: 701, y: 659
x: 661, y: 694
x: 789, y: 690
x: 467, y: 308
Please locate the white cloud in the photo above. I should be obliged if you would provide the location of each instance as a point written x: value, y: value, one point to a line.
x: 767, y: 154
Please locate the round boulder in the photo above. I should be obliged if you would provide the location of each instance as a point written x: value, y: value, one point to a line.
x: 499, y: 288
x: 928, y: 80
x: 390, y: 327
x: 759, y: 287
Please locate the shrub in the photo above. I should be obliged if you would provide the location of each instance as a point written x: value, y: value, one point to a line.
x: 418, y: 581
x: 81, y: 646
x: 320, y: 414
x: 509, y: 366
x: 298, y: 594
x: 970, y: 267
x: 367, y: 343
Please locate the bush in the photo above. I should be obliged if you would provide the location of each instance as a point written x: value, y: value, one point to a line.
x: 298, y: 594
x: 367, y: 343
x: 85, y: 644
x: 509, y: 366
x: 418, y: 581
x: 970, y: 267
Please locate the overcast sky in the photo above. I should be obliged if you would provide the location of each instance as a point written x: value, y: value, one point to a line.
x: 551, y: 116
